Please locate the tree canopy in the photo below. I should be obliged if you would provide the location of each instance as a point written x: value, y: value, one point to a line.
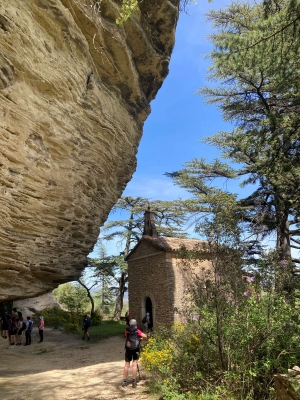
x: 254, y: 78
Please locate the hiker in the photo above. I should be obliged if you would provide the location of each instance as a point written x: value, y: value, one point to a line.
x: 41, y: 327
x: 29, y: 325
x: 132, y: 349
x: 127, y: 317
x: 4, y: 325
x: 21, y: 328
x: 12, y: 330
x: 85, y: 326
x: 146, y: 322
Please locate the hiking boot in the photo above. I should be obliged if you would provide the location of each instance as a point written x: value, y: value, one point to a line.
x: 124, y: 383
x: 134, y: 383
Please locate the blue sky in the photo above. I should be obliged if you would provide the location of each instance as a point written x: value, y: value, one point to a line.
x: 179, y: 117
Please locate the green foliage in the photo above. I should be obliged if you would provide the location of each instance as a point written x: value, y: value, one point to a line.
x: 96, y: 318
x: 105, y: 301
x: 169, y: 220
x: 71, y: 322
x: 128, y: 7
x: 255, y: 75
x: 71, y: 327
x: 72, y: 296
x: 59, y: 318
x: 126, y: 10
x: 108, y: 328
x: 237, y: 335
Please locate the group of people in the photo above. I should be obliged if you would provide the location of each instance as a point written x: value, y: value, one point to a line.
x: 133, y: 338
x: 15, y: 328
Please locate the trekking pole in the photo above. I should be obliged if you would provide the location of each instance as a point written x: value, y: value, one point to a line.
x: 138, y: 371
x: 140, y: 350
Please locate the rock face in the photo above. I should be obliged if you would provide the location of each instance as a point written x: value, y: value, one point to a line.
x: 36, y: 304
x: 74, y: 93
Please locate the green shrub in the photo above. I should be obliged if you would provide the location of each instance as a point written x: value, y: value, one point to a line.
x: 236, y: 360
x: 96, y: 318
x: 58, y: 318
x: 71, y: 327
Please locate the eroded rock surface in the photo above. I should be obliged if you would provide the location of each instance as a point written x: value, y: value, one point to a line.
x: 74, y: 94
x: 36, y: 304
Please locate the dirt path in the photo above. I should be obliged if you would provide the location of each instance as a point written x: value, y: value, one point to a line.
x: 64, y: 367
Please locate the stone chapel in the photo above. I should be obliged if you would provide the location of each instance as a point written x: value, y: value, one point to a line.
x: 158, y: 276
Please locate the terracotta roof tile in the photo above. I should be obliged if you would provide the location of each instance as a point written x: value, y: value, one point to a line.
x: 172, y: 244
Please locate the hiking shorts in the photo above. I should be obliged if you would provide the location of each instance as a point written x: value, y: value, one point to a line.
x: 131, y: 355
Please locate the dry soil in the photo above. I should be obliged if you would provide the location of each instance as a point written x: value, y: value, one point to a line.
x: 64, y: 367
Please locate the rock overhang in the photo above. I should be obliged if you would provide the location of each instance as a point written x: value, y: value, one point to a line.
x: 75, y: 90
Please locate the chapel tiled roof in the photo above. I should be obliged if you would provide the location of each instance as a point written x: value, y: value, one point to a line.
x: 168, y: 243
x: 173, y: 244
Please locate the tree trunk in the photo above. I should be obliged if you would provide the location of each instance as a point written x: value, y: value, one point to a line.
x: 285, y: 276
x: 124, y: 277
x: 120, y: 296
x: 89, y: 296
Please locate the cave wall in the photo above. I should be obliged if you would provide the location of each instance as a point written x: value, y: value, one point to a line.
x: 74, y: 93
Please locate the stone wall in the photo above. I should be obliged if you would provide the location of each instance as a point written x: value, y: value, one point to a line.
x: 74, y: 94
x: 148, y: 277
x: 185, y: 274
x: 164, y: 278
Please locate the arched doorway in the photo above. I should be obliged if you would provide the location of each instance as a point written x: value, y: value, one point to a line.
x: 149, y: 310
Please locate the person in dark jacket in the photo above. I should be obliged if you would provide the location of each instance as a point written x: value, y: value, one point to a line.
x: 85, y: 326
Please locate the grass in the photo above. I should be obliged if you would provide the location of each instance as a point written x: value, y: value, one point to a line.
x: 108, y: 328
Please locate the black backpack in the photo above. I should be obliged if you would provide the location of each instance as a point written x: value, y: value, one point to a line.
x: 144, y: 320
x: 132, y: 341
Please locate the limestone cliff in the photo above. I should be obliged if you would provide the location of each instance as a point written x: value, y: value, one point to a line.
x: 74, y: 94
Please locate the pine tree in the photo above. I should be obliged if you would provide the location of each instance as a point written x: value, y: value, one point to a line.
x: 255, y: 75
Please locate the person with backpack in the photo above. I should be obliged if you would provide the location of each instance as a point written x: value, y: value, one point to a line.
x: 85, y: 326
x: 41, y: 328
x: 21, y: 328
x: 28, y: 329
x: 12, y: 330
x: 146, y: 322
x: 4, y: 324
x: 132, y: 349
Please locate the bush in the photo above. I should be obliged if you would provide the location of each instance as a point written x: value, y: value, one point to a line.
x: 234, y: 360
x: 71, y: 327
x: 59, y: 318
x: 96, y: 318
